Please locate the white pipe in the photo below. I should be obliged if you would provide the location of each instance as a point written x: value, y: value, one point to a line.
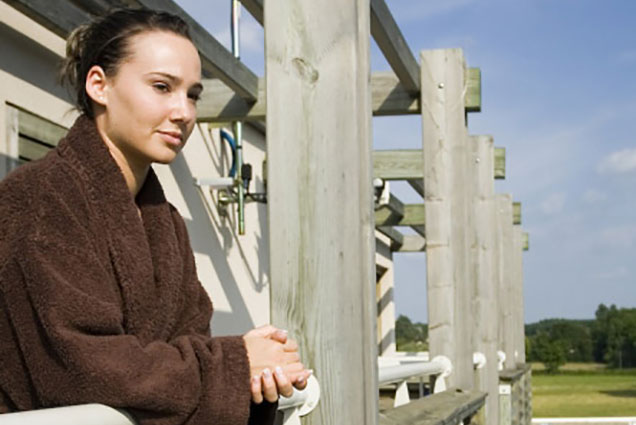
x: 502, y: 359
x: 439, y: 366
x: 306, y: 400
x: 85, y: 414
x: 609, y: 420
x: 479, y: 360
x: 215, y: 183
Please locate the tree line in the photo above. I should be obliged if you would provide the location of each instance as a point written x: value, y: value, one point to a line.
x: 609, y: 338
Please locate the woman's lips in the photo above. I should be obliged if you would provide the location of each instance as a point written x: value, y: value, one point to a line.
x: 172, y: 137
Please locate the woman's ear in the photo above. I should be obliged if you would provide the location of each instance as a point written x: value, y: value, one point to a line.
x: 96, y: 85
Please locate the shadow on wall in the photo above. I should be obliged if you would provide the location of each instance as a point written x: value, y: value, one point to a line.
x: 30, y: 61
x: 238, y: 320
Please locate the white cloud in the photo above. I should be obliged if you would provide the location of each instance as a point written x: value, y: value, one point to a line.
x: 553, y: 204
x: 619, y: 162
x: 593, y: 196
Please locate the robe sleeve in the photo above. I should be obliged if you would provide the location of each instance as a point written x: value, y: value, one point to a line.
x: 197, y: 313
x: 69, y: 327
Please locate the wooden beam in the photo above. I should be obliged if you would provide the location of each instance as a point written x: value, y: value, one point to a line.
x: 397, y: 237
x: 444, y: 144
x: 518, y: 304
x: 318, y: 95
x: 500, y: 163
x: 417, y: 185
x: 398, y: 164
x: 220, y: 103
x: 411, y: 243
x: 58, y: 16
x: 391, y: 97
x: 473, y: 90
x: 255, y: 7
x: 526, y: 241
x: 412, y: 215
x: 215, y: 58
x: 516, y: 213
x: 40, y: 129
x: 482, y: 238
x: 504, y: 276
x: 391, y: 42
x: 393, y: 208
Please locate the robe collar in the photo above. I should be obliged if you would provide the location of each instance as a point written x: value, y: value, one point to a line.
x: 144, y: 250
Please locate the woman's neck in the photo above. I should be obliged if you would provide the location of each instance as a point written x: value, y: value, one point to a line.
x: 134, y: 172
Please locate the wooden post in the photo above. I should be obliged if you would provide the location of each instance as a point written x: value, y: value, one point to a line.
x: 445, y: 195
x: 518, y: 310
x: 385, y: 296
x: 320, y: 198
x: 504, y: 277
x: 482, y: 240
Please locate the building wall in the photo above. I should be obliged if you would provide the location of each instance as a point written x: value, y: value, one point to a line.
x: 232, y: 268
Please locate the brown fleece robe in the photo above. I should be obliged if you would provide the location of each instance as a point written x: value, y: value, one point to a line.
x: 98, y: 305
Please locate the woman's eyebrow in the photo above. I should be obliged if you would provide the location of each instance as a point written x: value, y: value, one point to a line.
x: 196, y: 86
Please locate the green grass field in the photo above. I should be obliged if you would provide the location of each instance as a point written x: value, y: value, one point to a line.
x: 584, y: 391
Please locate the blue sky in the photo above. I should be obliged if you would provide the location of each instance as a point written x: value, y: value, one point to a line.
x: 559, y: 93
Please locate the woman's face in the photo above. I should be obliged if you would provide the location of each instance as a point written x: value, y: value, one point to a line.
x: 150, y: 103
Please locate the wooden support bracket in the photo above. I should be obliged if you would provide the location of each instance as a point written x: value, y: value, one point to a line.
x: 516, y: 213
x: 412, y: 215
x: 500, y: 163
x: 398, y: 164
x: 472, y: 99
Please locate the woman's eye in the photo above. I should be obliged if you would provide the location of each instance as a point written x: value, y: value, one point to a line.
x: 161, y: 87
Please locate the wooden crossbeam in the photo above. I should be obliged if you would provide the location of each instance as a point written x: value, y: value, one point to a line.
x: 417, y: 185
x: 388, y: 98
x: 255, y: 7
x: 500, y: 163
x: 516, y: 213
x: 394, y: 208
x: 58, y: 16
x: 472, y: 99
x: 411, y: 243
x: 393, y: 45
x: 397, y: 237
x: 412, y: 215
x: 526, y: 241
x: 398, y: 164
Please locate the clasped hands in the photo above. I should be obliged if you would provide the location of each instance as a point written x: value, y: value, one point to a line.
x: 275, y: 364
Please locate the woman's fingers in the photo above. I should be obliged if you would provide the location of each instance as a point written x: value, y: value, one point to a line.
x: 283, y: 383
x: 257, y: 393
x: 270, y: 392
x: 301, y: 380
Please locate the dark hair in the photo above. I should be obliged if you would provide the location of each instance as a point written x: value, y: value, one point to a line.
x: 105, y: 41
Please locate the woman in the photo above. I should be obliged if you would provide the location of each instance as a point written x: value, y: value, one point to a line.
x: 99, y: 298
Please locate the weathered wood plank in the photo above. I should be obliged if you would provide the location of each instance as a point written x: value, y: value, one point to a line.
x: 526, y: 241
x: 398, y: 164
x: 30, y: 150
x: 317, y: 61
x: 473, y: 90
x: 500, y: 163
x: 482, y: 240
x: 391, y: 97
x: 397, y: 237
x: 385, y: 298
x: 393, y: 208
x: 504, y: 276
x: 412, y: 215
x: 220, y: 103
x: 417, y: 185
x: 444, y: 140
x: 37, y: 128
x: 411, y: 243
x: 518, y: 306
x: 58, y: 16
x: 214, y: 56
x: 391, y: 42
x: 448, y: 407
x: 255, y: 7
x: 516, y: 213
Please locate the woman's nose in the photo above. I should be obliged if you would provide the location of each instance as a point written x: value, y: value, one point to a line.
x: 183, y: 109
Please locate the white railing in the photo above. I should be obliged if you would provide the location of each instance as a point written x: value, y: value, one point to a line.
x: 585, y: 421
x: 400, y: 368
x: 292, y: 408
